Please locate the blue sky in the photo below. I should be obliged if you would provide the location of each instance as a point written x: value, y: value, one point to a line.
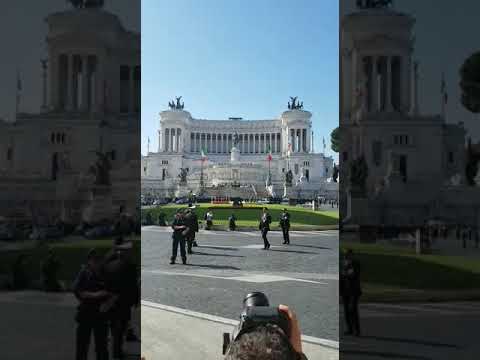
x: 240, y: 59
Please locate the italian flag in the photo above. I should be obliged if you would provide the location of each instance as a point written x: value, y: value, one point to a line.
x: 203, y: 153
x: 269, y: 150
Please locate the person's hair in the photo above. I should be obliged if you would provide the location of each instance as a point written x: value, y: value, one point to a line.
x: 266, y: 342
x: 265, y: 209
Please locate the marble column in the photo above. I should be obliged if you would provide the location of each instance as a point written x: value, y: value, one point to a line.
x: 84, y: 82
x: 69, y: 102
x: 131, y: 93
x: 389, y: 84
x: 166, y: 143
x: 375, y: 89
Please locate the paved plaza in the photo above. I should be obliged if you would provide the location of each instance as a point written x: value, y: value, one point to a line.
x: 226, y: 266
x: 39, y: 325
x: 423, y: 331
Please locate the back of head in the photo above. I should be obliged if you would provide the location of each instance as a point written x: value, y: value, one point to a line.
x: 266, y: 342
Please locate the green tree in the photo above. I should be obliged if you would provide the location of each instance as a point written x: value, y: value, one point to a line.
x: 470, y: 83
x: 335, y: 139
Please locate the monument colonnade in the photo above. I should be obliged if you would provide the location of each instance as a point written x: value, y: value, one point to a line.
x: 220, y: 142
x: 78, y: 82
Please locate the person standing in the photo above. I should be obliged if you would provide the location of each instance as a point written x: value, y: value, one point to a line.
x: 232, y: 222
x: 179, y: 231
x: 264, y: 227
x: 90, y: 290
x: 121, y: 280
x: 209, y: 220
x: 285, y: 225
x: 191, y: 221
x: 350, y: 291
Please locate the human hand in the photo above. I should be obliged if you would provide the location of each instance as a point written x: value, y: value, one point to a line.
x: 295, y: 333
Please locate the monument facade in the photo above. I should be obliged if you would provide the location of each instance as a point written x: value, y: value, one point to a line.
x: 395, y: 160
x: 247, y: 158
x: 84, y: 141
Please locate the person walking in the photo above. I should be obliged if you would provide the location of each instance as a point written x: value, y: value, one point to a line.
x: 350, y: 291
x: 285, y: 225
x: 179, y: 231
x: 89, y: 289
x: 264, y: 227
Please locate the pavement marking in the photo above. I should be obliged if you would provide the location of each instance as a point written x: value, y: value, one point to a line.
x: 299, y: 233
x: 250, y: 278
x: 305, y: 338
x: 378, y: 310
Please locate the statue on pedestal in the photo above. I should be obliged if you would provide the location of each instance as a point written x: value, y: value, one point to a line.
x: 183, y: 176
x: 86, y: 4
x: 288, y: 178
x: 101, y: 168
x: 236, y: 139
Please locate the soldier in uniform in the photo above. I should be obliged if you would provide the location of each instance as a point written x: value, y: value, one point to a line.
x: 285, y: 225
x: 180, y: 230
x: 350, y: 291
x: 264, y: 227
x: 90, y: 290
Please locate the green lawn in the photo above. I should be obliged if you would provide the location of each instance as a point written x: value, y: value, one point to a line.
x: 71, y: 255
x: 249, y: 215
x: 391, y: 268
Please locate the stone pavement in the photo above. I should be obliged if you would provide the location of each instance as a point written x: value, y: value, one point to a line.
x: 170, y: 333
x: 228, y: 265
x: 39, y: 325
x: 415, y: 331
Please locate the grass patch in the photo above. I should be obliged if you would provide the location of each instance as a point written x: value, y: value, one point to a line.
x: 249, y: 215
x: 71, y: 254
x: 387, y: 268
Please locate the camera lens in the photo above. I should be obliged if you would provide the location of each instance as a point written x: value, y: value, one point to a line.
x: 256, y: 298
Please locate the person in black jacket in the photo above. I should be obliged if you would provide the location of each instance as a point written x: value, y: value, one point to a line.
x: 191, y: 221
x: 89, y: 288
x: 264, y: 227
x: 285, y: 225
x: 350, y: 291
x: 180, y: 230
x: 121, y: 279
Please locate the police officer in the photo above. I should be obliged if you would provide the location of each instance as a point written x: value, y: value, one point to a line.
x: 179, y: 232
x: 264, y: 227
x: 90, y: 290
x: 285, y: 225
x: 120, y: 280
x: 350, y: 291
x: 191, y: 221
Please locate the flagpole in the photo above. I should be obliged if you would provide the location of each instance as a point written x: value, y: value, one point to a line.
x: 17, y: 100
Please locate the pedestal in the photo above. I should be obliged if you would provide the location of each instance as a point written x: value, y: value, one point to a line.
x: 100, y: 208
x: 235, y: 155
x: 182, y: 191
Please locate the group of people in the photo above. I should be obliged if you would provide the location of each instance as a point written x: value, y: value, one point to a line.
x: 184, y: 225
x: 107, y: 288
x: 264, y: 226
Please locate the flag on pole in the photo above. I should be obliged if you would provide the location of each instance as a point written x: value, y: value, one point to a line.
x: 443, y: 89
x: 203, y: 154
x: 148, y: 145
x: 324, y: 145
x: 18, y: 92
x: 269, y: 151
x: 19, y: 82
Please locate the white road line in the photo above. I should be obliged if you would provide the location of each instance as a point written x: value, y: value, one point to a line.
x: 409, y: 308
x: 249, y: 278
x: 225, y: 321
